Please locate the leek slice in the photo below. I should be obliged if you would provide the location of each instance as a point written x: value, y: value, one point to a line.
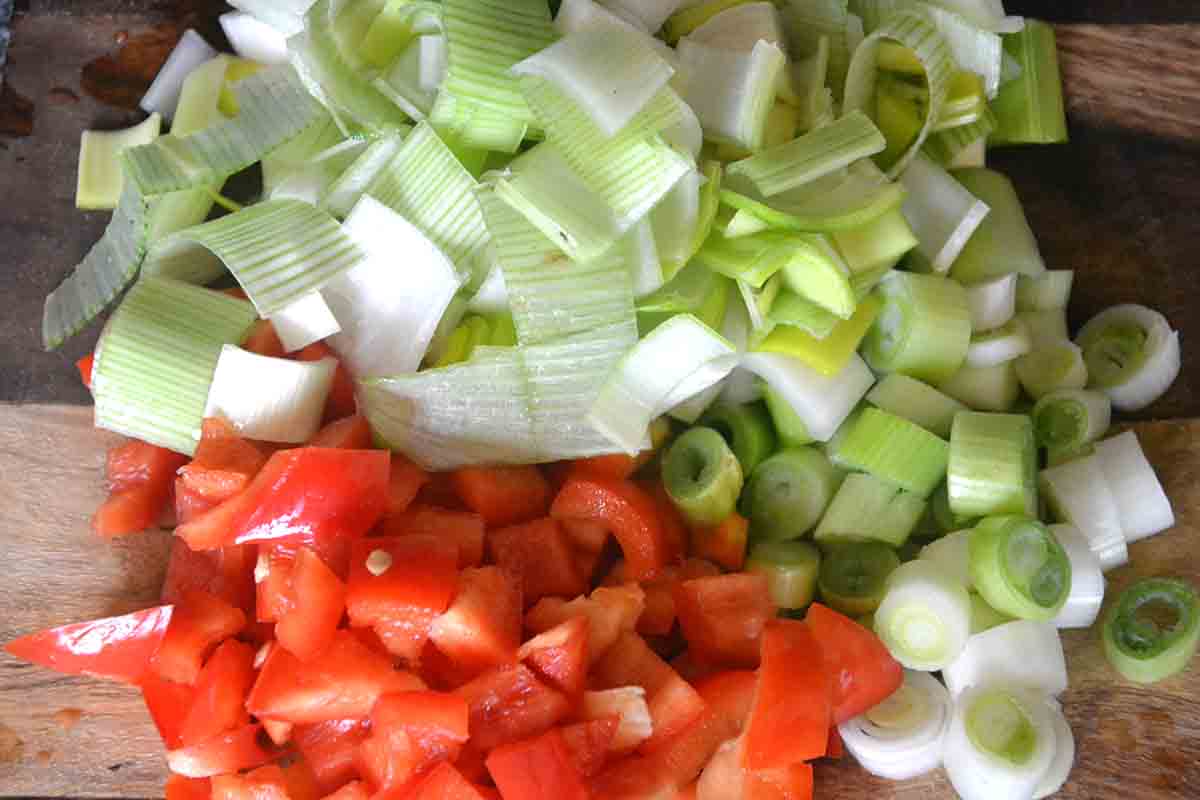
x: 1059, y: 770
x: 924, y: 329
x: 1001, y: 345
x: 279, y: 251
x: 790, y: 569
x: 641, y: 257
x: 901, y: 737
x: 1142, y: 649
x: 810, y: 20
x: 790, y: 429
x: 758, y: 303
x: 964, y: 146
x: 702, y: 476
x: 413, y: 80
x: 1052, y: 367
x: 854, y: 575
x: 731, y: 92
x: 942, y: 213
x: 1019, y: 568
x: 917, y: 402
x: 867, y: 508
x: 163, y: 95
x: 1087, y: 580
x: 155, y: 361
x: 1069, y: 419
x: 321, y: 141
x: 821, y: 403
x: 649, y: 15
x: 1077, y: 492
x: 285, y: 16
x: 952, y: 554
x: 476, y: 126
x: 811, y: 156
x: 1003, y: 242
x: 679, y: 358
x: 1140, y: 499
x: 918, y: 34
x: 994, y: 388
x: 100, y: 178
x: 925, y: 616
x: 993, y: 303
x: 892, y: 449
x: 303, y: 322
x: 1051, y: 289
x: 1000, y: 743
x: 675, y: 222
x: 254, y: 39
x: 199, y: 103
x: 747, y: 429
x: 1132, y: 355
x: 790, y: 309
x: 1022, y: 653
x: 1029, y: 109
x: 993, y: 461
x: 390, y: 304
x: 269, y: 399
x: 692, y: 15
x: 741, y: 27
x: 349, y: 187
x: 984, y: 617
x: 830, y: 354
x: 787, y: 493
x: 875, y: 247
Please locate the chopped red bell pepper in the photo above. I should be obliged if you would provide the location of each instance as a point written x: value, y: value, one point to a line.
x: 482, y: 627
x: 793, y: 782
x: 535, y: 769
x: 503, y: 495
x: 227, y: 572
x: 141, y: 478
x: 312, y: 607
x: 265, y: 783
x: 590, y: 743
x: 836, y: 748
x: 585, y: 534
x: 675, y: 763
x: 182, y: 788
x: 389, y: 764
x: 263, y: 340
x: 539, y: 554
x: 618, y: 466
x: 629, y: 513
x: 559, y: 656
x: 329, y: 749
x: 85, y: 365
x: 444, y: 782
x: 341, y: 402
x: 722, y: 617
x: 724, y: 544
x: 218, y: 704
x: 792, y: 709
x: 301, y: 783
x: 348, y: 433
x: 436, y: 723
x: 224, y: 462
x: 280, y: 732
x: 729, y: 695
x: 200, y: 621
x: 862, y: 670
x: 509, y: 703
x: 463, y: 528
x: 354, y: 790
x: 610, y: 610
x: 675, y: 532
x: 232, y: 751
x: 404, y: 483
x: 130, y: 511
x: 168, y: 704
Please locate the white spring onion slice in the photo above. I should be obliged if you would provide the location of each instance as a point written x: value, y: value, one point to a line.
x: 951, y: 554
x: 1087, y: 580
x: 915, y: 401
x: 163, y: 94
x: 1019, y: 653
x: 993, y: 303
x: 1078, y: 493
x: 304, y: 321
x: 941, y: 212
x: 731, y: 92
x: 821, y: 402
x: 100, y: 177
x: 1140, y: 499
x: 1064, y: 756
x: 390, y: 304
x: 1051, y: 289
x: 1000, y: 345
x: 925, y: 616
x: 1000, y: 743
x: 1131, y: 353
x: 270, y: 399
x: 901, y: 737
x: 984, y: 388
x: 1051, y: 367
x: 254, y: 39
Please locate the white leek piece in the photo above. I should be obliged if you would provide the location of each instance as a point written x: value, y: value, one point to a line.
x: 587, y: 15
x: 808, y: 21
x: 492, y: 297
x: 344, y: 192
x: 1059, y: 770
x: 741, y: 27
x: 1000, y: 743
x: 199, y: 103
x: 678, y: 359
x: 951, y: 554
x: 924, y: 329
x: 412, y: 82
x: 985, y: 14
x: 821, y: 402
x: 285, y: 16
x: 1078, y: 493
x: 1051, y: 367
x: 611, y: 74
x: 1046, y: 328
x: 984, y: 388
x: 901, y: 737
x: 735, y: 327
x: 254, y: 39
x: 1140, y: 499
x: 1003, y: 242
x: 999, y: 346
x: 304, y: 321
x: 649, y: 15
x: 1051, y: 289
x: 163, y: 94
x: 925, y: 616
x: 942, y: 213
x: 676, y: 221
x: 100, y: 176
x: 993, y: 302
x: 389, y: 305
x: 1021, y: 653
x: 270, y: 399
x: 1132, y: 355
x: 641, y: 254
x: 1087, y: 580
x: 915, y: 401
x: 731, y: 92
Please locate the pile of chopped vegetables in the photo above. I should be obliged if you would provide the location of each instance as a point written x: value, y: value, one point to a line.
x: 643, y: 401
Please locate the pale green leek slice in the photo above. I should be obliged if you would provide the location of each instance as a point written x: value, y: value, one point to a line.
x: 1132, y: 355
x: 917, y: 402
x: 1050, y: 290
x: 892, y: 449
x: 995, y: 388
x: 351, y: 185
x: 731, y: 92
x: 691, y: 17
x: 924, y: 329
x: 1029, y: 109
x: 809, y: 20
x: 867, y: 508
x: 942, y: 213
x: 1003, y: 242
x: 993, y: 465
x: 100, y: 177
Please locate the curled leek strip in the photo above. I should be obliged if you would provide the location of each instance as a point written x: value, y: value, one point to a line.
x: 1132, y: 355
x: 1136, y: 644
x: 702, y: 476
x: 901, y: 737
x: 1064, y: 756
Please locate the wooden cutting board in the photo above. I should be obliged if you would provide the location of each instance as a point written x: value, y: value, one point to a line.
x: 1118, y: 205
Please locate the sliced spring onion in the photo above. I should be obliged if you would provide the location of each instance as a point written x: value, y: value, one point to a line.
x: 1042, y: 292
x: 1003, y: 242
x: 303, y: 322
x: 747, y: 428
x: 828, y: 355
x: 811, y: 156
x: 942, y: 213
x: 822, y: 403
x: 993, y: 302
x: 1029, y: 109
x: 1000, y: 743
x: 1087, y: 580
x: 787, y: 493
x: 1052, y: 367
x: 731, y: 92
x: 1059, y: 770
x: 1153, y: 630
x: 1019, y: 567
x: 156, y: 359
x: 790, y: 568
x: 853, y: 577
x: 992, y: 465
x: 1077, y: 492
x: 1140, y: 499
x: 100, y: 177
x: 1068, y: 419
x: 925, y: 616
x: 870, y: 509
x: 254, y: 39
x: 702, y: 476
x: 924, y: 329
x: 985, y: 388
x: 1001, y: 345
x: 790, y: 429
x: 892, y: 449
x: 915, y: 401
x: 1132, y: 355
x: 1045, y: 328
x: 269, y: 399
x: 680, y: 358
x: 1023, y: 653
x: 901, y: 737
x: 163, y: 94
x: 952, y: 554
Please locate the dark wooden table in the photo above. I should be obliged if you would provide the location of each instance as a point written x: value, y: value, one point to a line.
x: 1120, y: 205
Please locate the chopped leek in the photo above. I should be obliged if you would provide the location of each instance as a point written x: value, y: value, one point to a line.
x: 985, y: 388
x: 925, y: 616
x: 892, y: 449
x: 787, y: 493
x: 1137, y: 491
x: 692, y: 16
x: 984, y: 617
x: 254, y: 39
x: 1001, y: 345
x: 303, y: 322
x: 1055, y: 776
x: 788, y: 426
x: 1000, y: 743
x: 1132, y: 355
x: 854, y: 576
x: 649, y: 15
x: 901, y: 737
x: 1077, y: 492
x: 875, y: 246
x: 731, y: 92
x: 952, y: 554
x: 1045, y: 328
x: 740, y: 27
x: 866, y: 508
x: 791, y: 310
x: 944, y: 520
x: 269, y: 399
x: 828, y: 355
x: 1029, y: 109
x: 1003, y: 242
x: 200, y: 98
x: 1140, y: 642
x: 809, y: 21
x: 924, y: 329
x: 790, y: 568
x: 942, y: 213
x: 1019, y: 567
x: 350, y: 186
x: 1087, y: 580
x: 1052, y: 367
x: 821, y: 403
x: 100, y: 177
x: 1068, y: 419
x: 702, y: 476
x: 1023, y: 654
x: 993, y: 302
x: 992, y: 466
x: 747, y: 428
x: 675, y: 222
x: 917, y: 402
x: 163, y: 95
x: 1042, y: 292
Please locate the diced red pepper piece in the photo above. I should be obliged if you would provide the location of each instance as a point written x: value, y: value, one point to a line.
x: 265, y: 783
x: 439, y: 671
x: 84, y: 365
x: 354, y: 790
x: 280, y: 732
x: 503, y: 495
x: 585, y: 534
x: 168, y: 704
x: 509, y: 703
x: 224, y: 463
x: 136, y: 463
x: 628, y: 705
x: 463, y: 528
x: 341, y: 402
x: 729, y: 695
x: 836, y: 748
x: 792, y: 709
x: 200, y: 621
x: 862, y: 671
x: 691, y: 669
x: 675, y: 763
x: 436, y: 723
x: 793, y: 782
x: 189, y: 503
x: 329, y: 749
x: 610, y: 611
x: 675, y: 532
x: 301, y: 783
x: 535, y: 769
x: 263, y: 340
x: 116, y: 648
x: 232, y: 751
x: 724, y: 544
x: 628, y: 512
x: 348, y: 433
x: 559, y: 656
x: 227, y: 572
x: 722, y: 617
x: 539, y: 554
x: 390, y: 764
x: 180, y: 787
x: 444, y: 782
x: 130, y: 511
x: 482, y: 627
x: 313, y: 606
x: 220, y: 693
x: 590, y: 743
x: 618, y: 466
x: 404, y: 483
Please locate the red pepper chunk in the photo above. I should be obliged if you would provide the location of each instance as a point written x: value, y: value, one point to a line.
x: 723, y: 617
x: 482, y: 627
x: 560, y: 655
x: 628, y: 511
x: 503, y: 495
x: 540, y: 555
x: 312, y: 607
x: 264, y: 783
x: 444, y: 782
x: 509, y: 703
x: 85, y: 365
x: 436, y: 723
x: 228, y: 752
x: 199, y: 622
x: 862, y: 670
x: 220, y: 693
x: 535, y: 769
